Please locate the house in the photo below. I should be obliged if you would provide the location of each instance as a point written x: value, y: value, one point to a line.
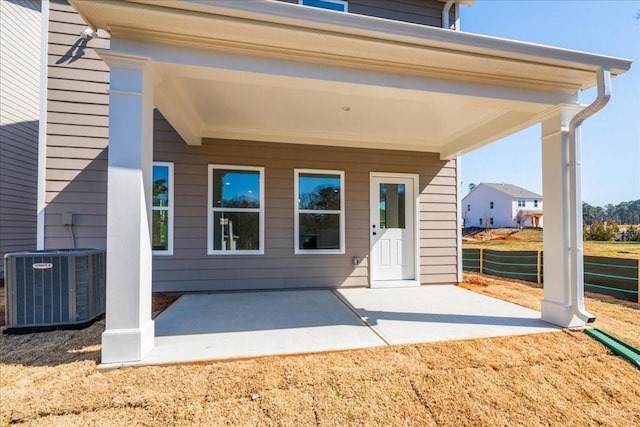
x: 20, y: 31
x: 501, y: 205
x: 283, y: 144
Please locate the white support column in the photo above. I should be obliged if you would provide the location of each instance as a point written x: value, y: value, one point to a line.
x: 129, y: 333
x: 559, y: 217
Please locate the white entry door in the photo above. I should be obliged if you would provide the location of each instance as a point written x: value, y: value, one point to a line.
x: 393, y: 230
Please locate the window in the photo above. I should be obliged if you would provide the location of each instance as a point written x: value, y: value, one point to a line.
x: 162, y: 209
x: 490, y: 205
x: 319, y: 211
x: 535, y: 203
x: 337, y: 5
x: 236, y: 210
x: 491, y: 220
x: 480, y: 221
x: 468, y: 207
x: 521, y: 203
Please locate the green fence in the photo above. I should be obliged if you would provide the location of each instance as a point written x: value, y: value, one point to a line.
x: 618, y: 277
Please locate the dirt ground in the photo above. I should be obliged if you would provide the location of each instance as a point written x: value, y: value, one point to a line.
x: 563, y: 378
x: 529, y: 239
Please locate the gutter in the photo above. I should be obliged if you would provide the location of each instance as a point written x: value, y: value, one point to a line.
x: 445, y: 15
x: 576, y: 250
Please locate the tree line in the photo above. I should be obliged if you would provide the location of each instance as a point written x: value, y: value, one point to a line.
x: 622, y: 213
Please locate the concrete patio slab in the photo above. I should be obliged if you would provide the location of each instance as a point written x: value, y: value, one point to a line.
x: 249, y: 324
x: 441, y: 312
x: 219, y: 326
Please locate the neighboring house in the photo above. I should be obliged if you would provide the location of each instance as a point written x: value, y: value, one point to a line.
x: 265, y: 145
x: 20, y: 38
x: 501, y: 205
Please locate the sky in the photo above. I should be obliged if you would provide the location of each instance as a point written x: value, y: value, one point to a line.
x: 611, y: 137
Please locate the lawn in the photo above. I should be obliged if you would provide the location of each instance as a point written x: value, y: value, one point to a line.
x: 508, y: 239
x: 563, y: 378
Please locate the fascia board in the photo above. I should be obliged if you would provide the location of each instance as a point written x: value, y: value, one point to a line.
x: 350, y: 26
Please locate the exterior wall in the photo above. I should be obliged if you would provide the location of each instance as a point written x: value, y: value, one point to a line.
x: 190, y: 268
x: 504, y: 212
x: 425, y: 12
x: 20, y: 46
x: 77, y: 132
x: 76, y: 165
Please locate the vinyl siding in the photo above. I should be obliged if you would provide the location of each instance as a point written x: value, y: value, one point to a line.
x: 425, y: 12
x: 191, y: 269
x: 77, y: 137
x: 20, y: 39
x: 77, y: 132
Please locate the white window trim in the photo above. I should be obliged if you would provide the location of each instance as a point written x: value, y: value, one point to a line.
x: 211, y: 210
x: 341, y: 2
x: 169, y: 209
x: 296, y: 234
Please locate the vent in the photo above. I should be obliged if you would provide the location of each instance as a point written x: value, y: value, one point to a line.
x: 54, y: 288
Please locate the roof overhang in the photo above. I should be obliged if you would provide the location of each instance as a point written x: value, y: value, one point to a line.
x: 272, y: 71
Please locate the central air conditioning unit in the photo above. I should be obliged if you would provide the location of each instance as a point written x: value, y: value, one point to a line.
x: 54, y: 288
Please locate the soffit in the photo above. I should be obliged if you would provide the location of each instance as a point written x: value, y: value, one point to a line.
x: 272, y: 71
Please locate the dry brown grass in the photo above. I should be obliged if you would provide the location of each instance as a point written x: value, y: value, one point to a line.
x: 563, y: 378
x: 510, y: 239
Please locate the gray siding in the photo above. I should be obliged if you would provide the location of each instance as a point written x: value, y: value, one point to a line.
x: 77, y: 137
x: 190, y: 268
x: 425, y: 12
x: 77, y: 132
x: 20, y: 39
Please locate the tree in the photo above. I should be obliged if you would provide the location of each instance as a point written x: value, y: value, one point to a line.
x: 472, y: 186
x: 601, y: 232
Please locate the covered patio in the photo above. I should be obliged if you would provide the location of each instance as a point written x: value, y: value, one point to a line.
x: 340, y: 80
x: 237, y: 325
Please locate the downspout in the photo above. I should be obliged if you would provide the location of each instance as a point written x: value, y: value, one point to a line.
x: 576, y: 250
x: 445, y: 13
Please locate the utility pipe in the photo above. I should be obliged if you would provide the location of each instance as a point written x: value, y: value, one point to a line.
x: 576, y: 247
x: 445, y: 13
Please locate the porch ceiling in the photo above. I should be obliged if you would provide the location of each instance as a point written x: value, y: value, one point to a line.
x: 271, y: 71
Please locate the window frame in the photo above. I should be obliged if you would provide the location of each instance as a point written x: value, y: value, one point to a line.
x: 344, y: 3
x: 297, y: 211
x: 211, y: 210
x: 169, y: 209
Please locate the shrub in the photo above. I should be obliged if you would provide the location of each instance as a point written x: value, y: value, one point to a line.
x: 600, y: 232
x: 632, y: 234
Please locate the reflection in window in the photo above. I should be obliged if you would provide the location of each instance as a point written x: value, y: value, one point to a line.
x: 236, y: 216
x: 392, y: 206
x: 337, y: 5
x: 319, y: 211
x: 162, y: 209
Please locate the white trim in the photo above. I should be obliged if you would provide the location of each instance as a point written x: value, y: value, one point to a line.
x: 211, y: 210
x: 296, y: 212
x: 340, y: 2
x: 169, y: 209
x: 42, y: 125
x: 416, y: 232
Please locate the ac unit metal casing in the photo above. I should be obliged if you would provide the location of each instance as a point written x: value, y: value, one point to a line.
x: 54, y: 288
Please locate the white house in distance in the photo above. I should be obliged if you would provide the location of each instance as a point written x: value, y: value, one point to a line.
x: 501, y: 205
